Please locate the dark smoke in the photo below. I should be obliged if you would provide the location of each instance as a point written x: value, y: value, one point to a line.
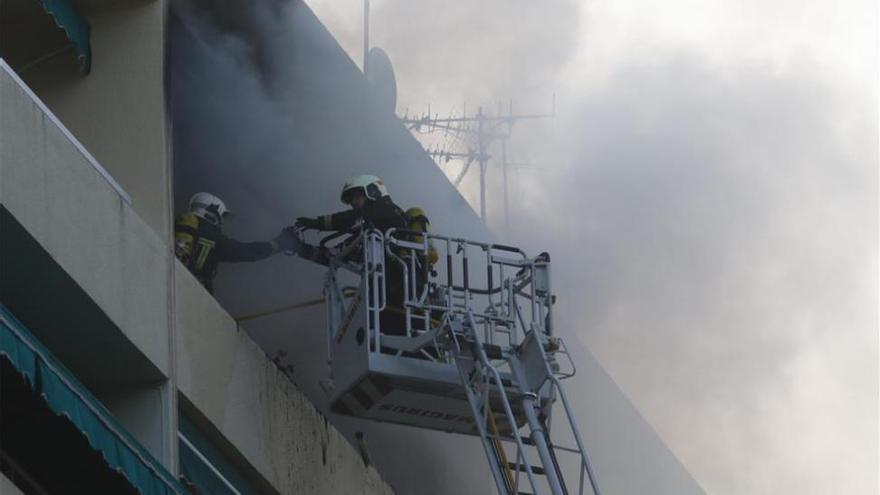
x: 272, y: 116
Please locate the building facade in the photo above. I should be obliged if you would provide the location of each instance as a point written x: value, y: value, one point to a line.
x: 152, y: 378
x: 121, y: 374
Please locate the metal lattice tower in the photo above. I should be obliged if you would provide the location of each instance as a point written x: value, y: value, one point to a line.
x: 473, y: 136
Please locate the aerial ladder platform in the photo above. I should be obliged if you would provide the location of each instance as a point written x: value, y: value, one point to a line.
x: 466, y: 347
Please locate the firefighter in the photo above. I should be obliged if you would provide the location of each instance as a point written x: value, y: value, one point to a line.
x: 200, y: 244
x: 371, y: 207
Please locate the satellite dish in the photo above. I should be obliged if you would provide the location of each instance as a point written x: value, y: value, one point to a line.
x: 380, y: 77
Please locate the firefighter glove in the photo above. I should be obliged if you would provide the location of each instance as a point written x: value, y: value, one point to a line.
x: 288, y: 240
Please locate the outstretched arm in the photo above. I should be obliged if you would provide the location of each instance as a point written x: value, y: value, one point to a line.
x: 231, y: 250
x: 343, y: 220
x: 374, y: 212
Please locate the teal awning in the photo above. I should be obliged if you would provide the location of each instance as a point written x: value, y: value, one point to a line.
x: 68, y: 18
x: 66, y: 397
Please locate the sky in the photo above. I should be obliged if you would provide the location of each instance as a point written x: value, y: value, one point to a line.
x: 708, y: 189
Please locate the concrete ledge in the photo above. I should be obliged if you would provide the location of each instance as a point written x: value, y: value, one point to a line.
x: 4, y: 67
x: 68, y: 205
x: 232, y: 382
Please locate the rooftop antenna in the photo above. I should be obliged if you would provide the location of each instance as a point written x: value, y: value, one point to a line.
x: 485, y: 129
x: 366, y: 35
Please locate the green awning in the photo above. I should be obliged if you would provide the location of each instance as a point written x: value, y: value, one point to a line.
x: 68, y: 18
x: 66, y: 397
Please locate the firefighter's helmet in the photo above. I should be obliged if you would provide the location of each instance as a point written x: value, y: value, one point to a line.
x: 372, y: 186
x: 208, y: 207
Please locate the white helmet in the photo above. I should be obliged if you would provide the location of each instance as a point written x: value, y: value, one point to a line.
x: 208, y: 207
x: 372, y: 186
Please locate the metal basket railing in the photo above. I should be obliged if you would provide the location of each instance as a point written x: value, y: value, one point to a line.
x: 497, y: 287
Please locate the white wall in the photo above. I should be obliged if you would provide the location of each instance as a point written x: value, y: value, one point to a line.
x: 118, y: 110
x: 65, y: 203
x: 118, y: 113
x: 136, y: 407
x: 60, y: 196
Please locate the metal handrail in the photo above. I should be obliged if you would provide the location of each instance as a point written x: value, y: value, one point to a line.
x: 505, y: 310
x: 477, y: 317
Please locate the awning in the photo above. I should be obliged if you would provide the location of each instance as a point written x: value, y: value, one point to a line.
x: 66, y: 397
x: 68, y: 18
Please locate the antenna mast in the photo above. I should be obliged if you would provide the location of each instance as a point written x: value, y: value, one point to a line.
x: 366, y: 33
x: 481, y: 130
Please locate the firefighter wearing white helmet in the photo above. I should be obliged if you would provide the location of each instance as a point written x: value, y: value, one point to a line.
x: 370, y: 204
x: 201, y: 245
x: 370, y: 185
x: 371, y: 207
x: 208, y: 207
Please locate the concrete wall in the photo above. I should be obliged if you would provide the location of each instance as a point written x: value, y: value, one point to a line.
x: 118, y: 110
x: 230, y: 381
x: 63, y: 199
x: 137, y: 407
x: 66, y: 204
x: 72, y: 211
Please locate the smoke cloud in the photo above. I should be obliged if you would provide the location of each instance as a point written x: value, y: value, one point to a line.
x: 709, y: 193
x: 720, y: 264
x: 712, y: 214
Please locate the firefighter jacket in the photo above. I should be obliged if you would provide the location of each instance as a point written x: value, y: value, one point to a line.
x: 201, y: 246
x: 380, y: 214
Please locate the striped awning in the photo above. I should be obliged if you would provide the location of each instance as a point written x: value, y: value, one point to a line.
x: 66, y: 397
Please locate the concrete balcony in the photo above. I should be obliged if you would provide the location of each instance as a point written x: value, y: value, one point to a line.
x: 101, y: 289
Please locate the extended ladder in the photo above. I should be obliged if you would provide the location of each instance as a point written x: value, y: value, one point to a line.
x: 532, y: 367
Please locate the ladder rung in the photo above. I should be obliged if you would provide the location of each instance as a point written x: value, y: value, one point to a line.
x: 522, y: 468
x: 566, y: 449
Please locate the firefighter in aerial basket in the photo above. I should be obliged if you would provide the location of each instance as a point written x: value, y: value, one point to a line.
x: 371, y: 207
x: 201, y: 245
